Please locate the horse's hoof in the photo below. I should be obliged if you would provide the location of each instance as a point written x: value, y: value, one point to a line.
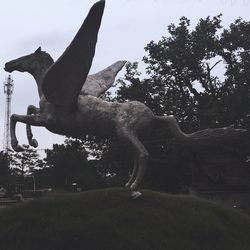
x: 34, y: 143
x: 127, y: 185
x: 135, y: 194
x: 18, y: 148
x: 134, y: 186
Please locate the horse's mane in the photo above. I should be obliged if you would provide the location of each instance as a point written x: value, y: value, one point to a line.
x: 46, y: 58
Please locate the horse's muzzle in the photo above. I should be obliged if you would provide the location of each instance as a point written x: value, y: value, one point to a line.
x: 8, y: 68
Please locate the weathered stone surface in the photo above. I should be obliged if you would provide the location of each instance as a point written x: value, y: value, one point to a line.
x: 98, y: 83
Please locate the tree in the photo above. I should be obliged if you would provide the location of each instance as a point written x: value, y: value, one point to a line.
x: 182, y: 81
x: 69, y: 163
x: 25, y: 164
x: 5, y: 172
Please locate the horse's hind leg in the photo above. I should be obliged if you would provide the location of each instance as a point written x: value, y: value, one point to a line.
x: 142, y: 156
x: 173, y: 126
x: 141, y: 153
x: 31, y: 110
x: 134, y: 172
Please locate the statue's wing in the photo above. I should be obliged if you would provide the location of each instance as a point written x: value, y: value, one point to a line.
x: 65, y: 78
x: 98, y: 83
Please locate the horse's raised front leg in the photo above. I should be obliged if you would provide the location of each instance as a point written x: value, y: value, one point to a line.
x: 31, y: 110
x: 35, y: 120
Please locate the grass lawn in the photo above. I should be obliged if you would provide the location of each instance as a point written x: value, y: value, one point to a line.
x: 108, y: 219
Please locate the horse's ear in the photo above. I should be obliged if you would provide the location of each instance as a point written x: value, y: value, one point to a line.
x: 39, y: 50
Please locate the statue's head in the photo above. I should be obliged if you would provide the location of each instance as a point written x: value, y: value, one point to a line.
x: 30, y: 62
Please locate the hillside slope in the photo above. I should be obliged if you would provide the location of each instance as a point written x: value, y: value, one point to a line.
x: 109, y: 220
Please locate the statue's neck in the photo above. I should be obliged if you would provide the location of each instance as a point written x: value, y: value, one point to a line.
x: 38, y: 75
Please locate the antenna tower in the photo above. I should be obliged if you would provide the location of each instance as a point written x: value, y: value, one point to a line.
x: 8, y: 87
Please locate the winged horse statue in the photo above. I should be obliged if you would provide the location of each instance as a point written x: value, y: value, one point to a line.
x: 70, y: 103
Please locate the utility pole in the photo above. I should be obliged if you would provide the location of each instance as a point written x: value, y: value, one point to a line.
x: 8, y: 87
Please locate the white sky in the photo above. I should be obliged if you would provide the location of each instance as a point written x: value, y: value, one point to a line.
x: 128, y: 25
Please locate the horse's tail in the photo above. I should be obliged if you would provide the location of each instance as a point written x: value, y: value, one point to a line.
x: 205, y: 136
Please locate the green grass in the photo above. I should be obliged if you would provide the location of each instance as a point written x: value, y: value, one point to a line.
x: 108, y: 219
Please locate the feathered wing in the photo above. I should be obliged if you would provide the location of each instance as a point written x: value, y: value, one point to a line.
x: 98, y: 83
x: 65, y: 78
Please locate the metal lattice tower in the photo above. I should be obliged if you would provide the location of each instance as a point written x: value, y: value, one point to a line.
x: 8, y: 87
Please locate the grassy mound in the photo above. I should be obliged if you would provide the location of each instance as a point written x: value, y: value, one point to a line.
x: 109, y: 220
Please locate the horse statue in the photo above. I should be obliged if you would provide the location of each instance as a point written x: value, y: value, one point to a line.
x: 70, y: 104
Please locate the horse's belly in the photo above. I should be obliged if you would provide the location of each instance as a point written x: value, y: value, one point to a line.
x: 80, y: 126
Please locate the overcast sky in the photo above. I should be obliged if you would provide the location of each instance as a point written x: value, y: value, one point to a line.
x: 127, y: 26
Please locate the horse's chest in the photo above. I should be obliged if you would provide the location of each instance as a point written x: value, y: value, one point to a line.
x: 62, y: 124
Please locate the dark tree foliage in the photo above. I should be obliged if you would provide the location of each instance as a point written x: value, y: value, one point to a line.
x: 201, y: 77
x: 4, y: 163
x: 5, y: 173
x: 25, y: 162
x: 68, y: 163
x: 24, y: 167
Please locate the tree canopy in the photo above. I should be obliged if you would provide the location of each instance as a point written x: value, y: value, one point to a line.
x: 201, y: 76
x: 68, y: 163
